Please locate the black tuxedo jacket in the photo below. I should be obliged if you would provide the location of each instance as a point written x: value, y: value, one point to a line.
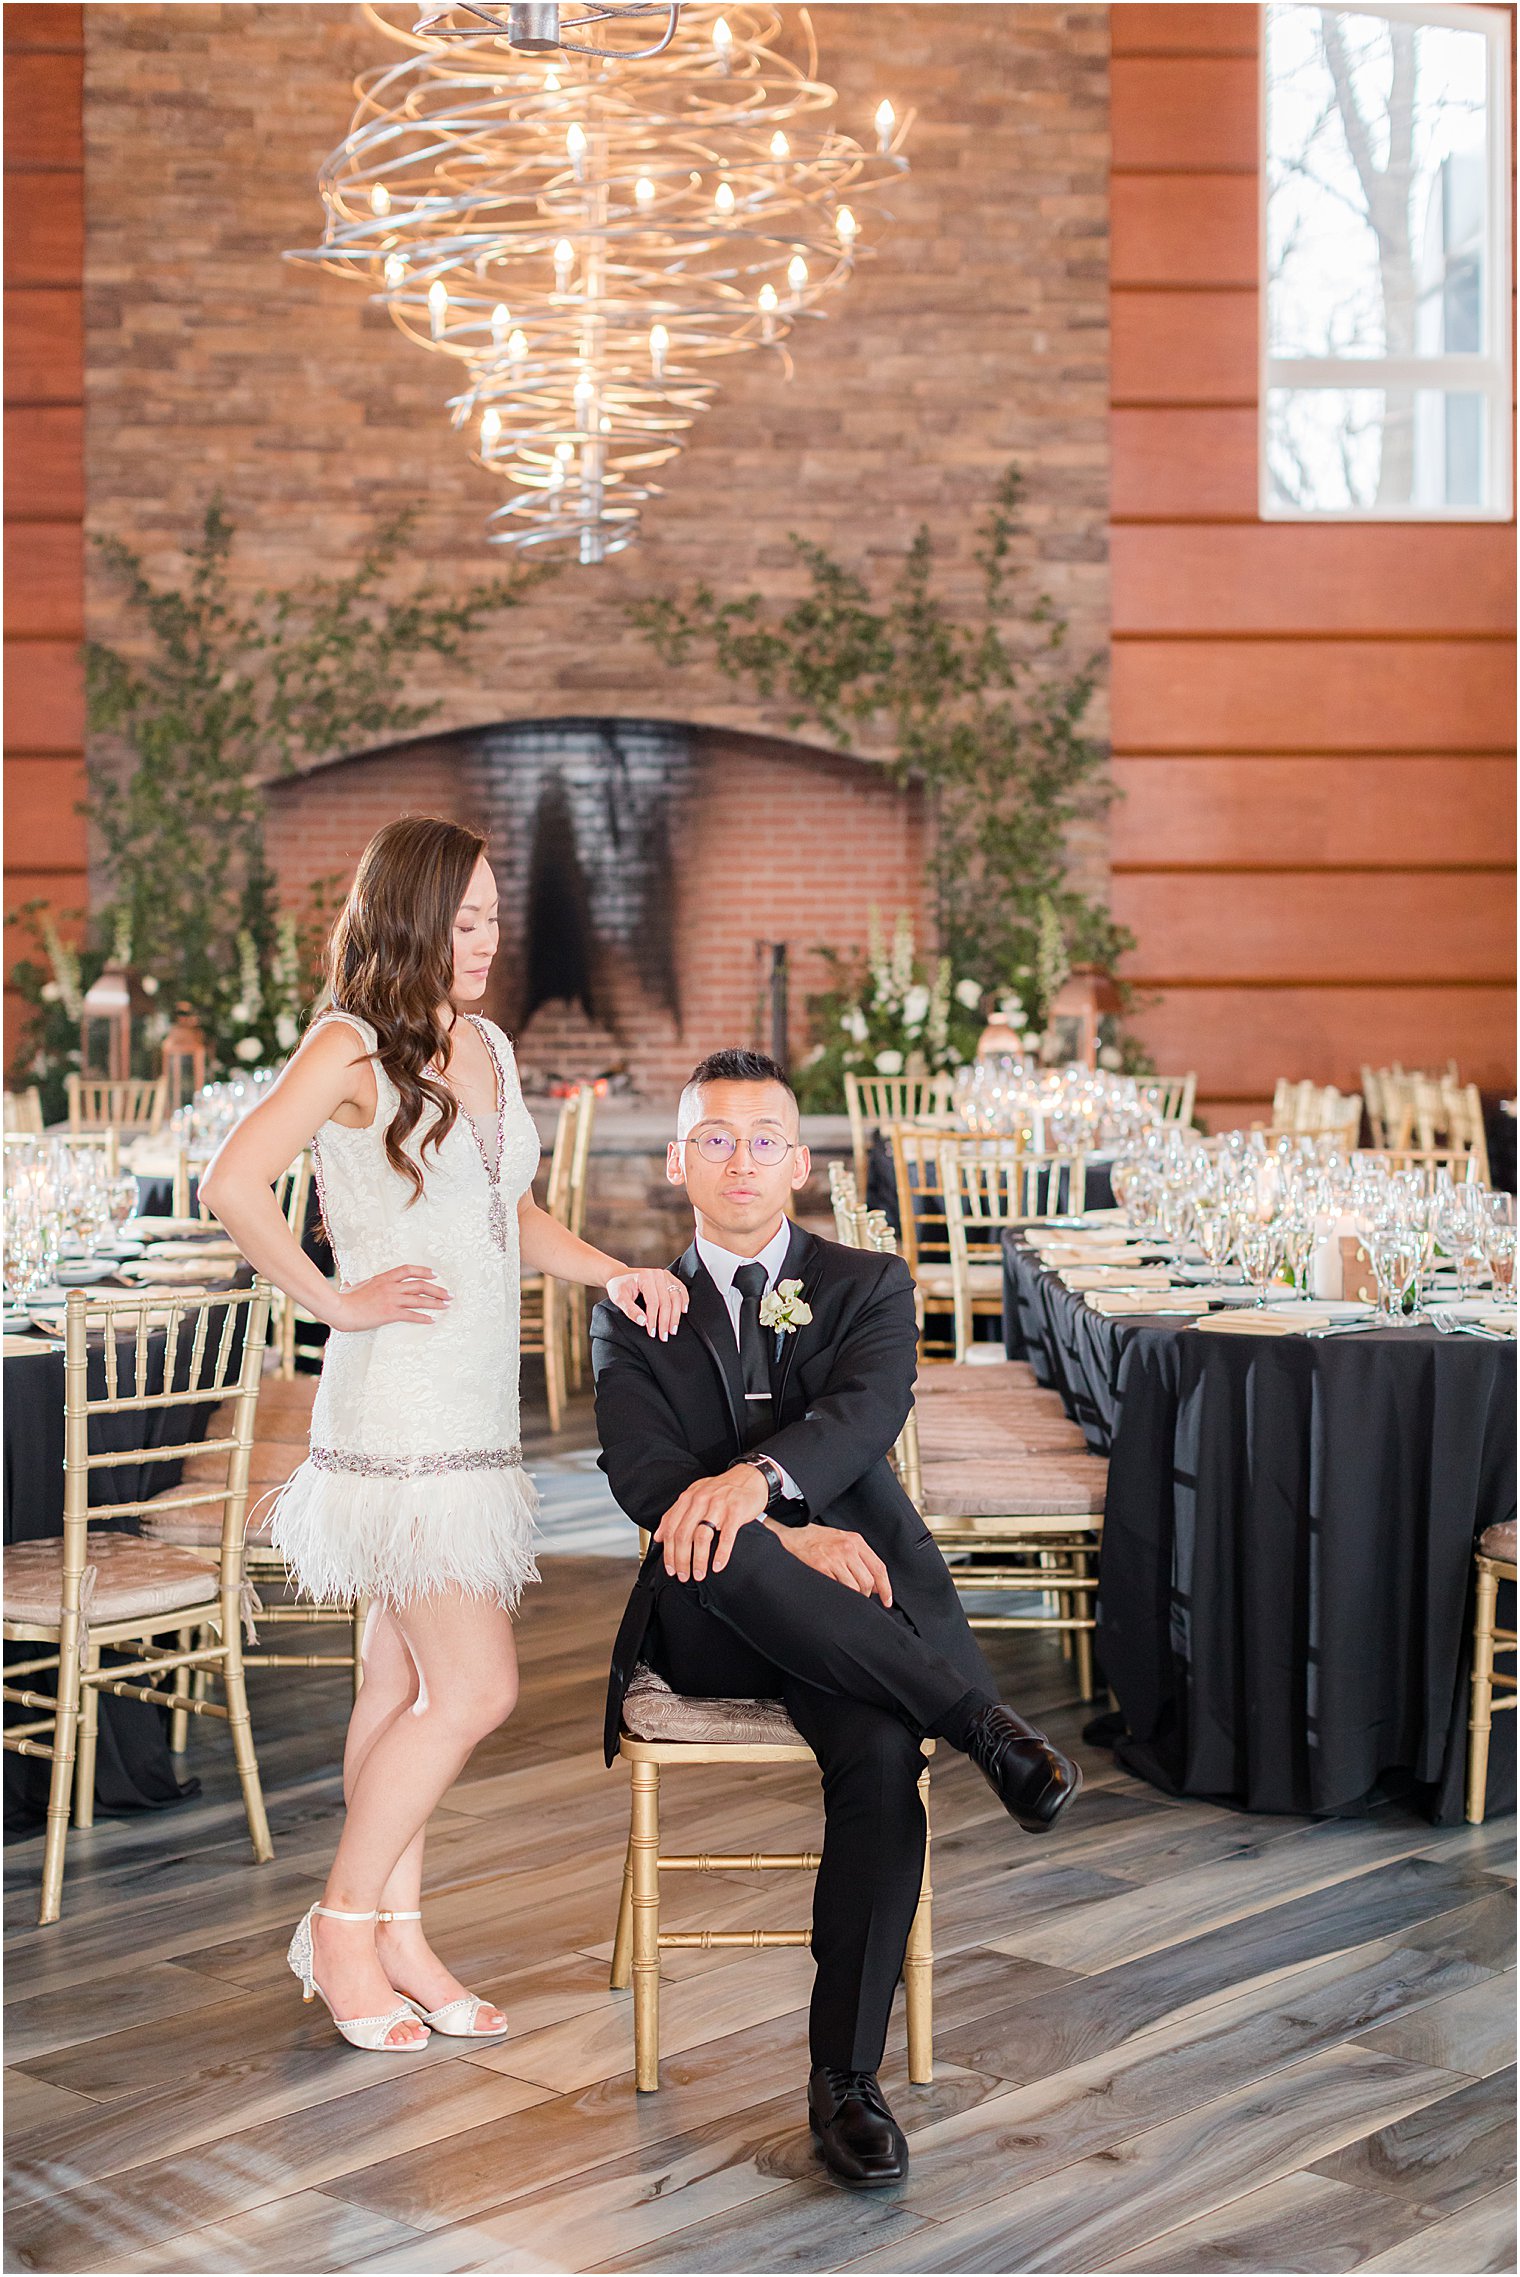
x: 670, y: 1413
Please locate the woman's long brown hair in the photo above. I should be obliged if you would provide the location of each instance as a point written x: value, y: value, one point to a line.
x: 391, y: 960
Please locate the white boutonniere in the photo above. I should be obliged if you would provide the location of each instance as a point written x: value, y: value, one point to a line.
x: 782, y: 1308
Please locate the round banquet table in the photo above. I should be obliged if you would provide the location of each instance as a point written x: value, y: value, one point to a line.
x: 134, y: 1769
x: 1285, y: 1596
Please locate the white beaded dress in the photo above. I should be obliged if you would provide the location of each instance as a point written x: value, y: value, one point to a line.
x: 414, y: 1483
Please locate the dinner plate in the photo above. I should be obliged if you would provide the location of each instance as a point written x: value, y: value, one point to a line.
x: 86, y: 1272
x: 24, y: 1347
x: 16, y: 1323
x: 163, y: 1229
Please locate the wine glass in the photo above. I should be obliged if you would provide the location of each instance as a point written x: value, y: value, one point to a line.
x: 1394, y: 1248
x: 1214, y: 1231
x: 1296, y: 1233
x: 1260, y: 1254
x: 1499, y: 1249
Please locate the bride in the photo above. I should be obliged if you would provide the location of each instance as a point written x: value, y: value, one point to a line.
x: 414, y: 1494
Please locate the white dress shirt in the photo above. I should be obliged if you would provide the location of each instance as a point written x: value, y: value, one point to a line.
x: 722, y: 1265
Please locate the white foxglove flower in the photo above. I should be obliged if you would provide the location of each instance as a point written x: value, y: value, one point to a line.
x: 51, y: 992
x: 854, y: 1024
x: 916, y: 1006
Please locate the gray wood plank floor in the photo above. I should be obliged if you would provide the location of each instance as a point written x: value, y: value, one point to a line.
x: 1170, y: 2039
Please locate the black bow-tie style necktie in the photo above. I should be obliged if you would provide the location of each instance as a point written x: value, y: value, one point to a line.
x: 754, y: 1358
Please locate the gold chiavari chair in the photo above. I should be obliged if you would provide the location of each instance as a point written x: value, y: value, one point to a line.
x: 98, y: 1106
x: 663, y: 1730
x: 543, y: 1297
x: 924, y: 1238
x: 1445, y: 1118
x: 23, y: 1113
x: 988, y: 1185
x: 873, y: 1102
x: 1176, y: 1094
x: 1495, y: 1560
x: 1004, y: 1484
x: 576, y: 1295
x: 292, y: 1190
x: 281, y: 1443
x: 844, y: 1200
x: 100, y: 1589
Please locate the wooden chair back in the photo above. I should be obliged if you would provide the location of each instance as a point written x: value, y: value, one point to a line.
x: 98, y: 1106
x: 873, y: 1102
x: 990, y: 1184
x: 23, y: 1112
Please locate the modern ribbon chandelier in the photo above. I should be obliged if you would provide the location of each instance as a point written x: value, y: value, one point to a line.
x: 586, y: 236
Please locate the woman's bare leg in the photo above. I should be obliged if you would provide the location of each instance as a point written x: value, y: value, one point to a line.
x: 422, y: 1723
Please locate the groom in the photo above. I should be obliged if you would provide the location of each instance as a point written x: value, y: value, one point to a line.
x: 788, y: 1562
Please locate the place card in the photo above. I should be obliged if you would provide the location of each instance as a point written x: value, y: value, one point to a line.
x: 1082, y: 1277
x: 1120, y: 1304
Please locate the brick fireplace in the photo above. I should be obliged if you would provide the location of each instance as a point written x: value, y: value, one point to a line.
x: 647, y: 868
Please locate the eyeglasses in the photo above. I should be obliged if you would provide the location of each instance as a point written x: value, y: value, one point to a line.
x: 765, y: 1149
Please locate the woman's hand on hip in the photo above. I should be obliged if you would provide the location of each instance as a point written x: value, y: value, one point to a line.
x: 406, y: 1292
x: 651, y: 1298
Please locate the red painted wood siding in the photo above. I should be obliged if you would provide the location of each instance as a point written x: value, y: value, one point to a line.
x: 1313, y: 725
x: 44, y: 459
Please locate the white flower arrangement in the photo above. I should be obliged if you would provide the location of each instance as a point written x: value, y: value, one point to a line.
x: 782, y: 1308
x: 888, y: 1063
x: 248, y: 1050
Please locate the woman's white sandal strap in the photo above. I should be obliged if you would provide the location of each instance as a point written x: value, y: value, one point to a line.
x: 336, y: 1913
x: 398, y: 1916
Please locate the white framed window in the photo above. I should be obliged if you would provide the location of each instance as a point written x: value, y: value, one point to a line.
x: 1385, y: 383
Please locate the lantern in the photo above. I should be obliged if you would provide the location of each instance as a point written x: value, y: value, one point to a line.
x: 106, y: 1032
x: 184, y: 1060
x: 1075, y: 1011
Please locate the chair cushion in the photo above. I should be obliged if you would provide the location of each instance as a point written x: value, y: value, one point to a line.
x: 957, y: 1433
x: 1044, y: 1486
x: 939, y: 1280
x: 200, y: 1526
x: 652, y: 1711
x: 1499, y: 1542
x: 134, y: 1580
x: 974, y: 1378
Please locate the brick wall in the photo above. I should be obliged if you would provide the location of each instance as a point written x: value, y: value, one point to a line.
x: 977, y: 334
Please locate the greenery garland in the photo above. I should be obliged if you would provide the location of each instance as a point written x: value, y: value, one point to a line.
x: 986, y: 714
x: 190, y: 723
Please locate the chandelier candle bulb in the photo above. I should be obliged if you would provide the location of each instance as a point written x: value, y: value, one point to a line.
x: 717, y: 205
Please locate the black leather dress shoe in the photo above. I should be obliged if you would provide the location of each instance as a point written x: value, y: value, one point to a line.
x: 855, y: 2134
x: 1031, y: 1779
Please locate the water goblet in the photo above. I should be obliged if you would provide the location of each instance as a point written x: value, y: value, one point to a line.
x: 1261, y: 1254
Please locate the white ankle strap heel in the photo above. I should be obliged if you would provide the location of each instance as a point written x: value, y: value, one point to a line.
x: 456, y: 2018
x: 369, y: 2032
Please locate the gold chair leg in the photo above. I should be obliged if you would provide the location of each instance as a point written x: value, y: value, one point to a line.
x: 238, y: 1723
x: 89, y: 1728
x: 1082, y: 1639
x: 918, y: 1966
x: 554, y: 1357
x: 644, y: 1856
x: 60, y: 1785
x: 621, y: 1974
x: 577, y: 1332
x: 1480, y: 1715
x: 179, y: 1718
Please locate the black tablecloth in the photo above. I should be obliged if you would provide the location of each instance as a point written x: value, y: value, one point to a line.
x: 134, y: 1769
x: 1285, y: 1601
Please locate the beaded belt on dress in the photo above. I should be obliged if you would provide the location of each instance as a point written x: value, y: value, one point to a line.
x: 416, y: 1466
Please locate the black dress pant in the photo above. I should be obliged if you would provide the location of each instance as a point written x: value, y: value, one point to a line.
x: 862, y: 1689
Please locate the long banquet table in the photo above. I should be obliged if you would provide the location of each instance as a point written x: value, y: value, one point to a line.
x: 1284, y: 1608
